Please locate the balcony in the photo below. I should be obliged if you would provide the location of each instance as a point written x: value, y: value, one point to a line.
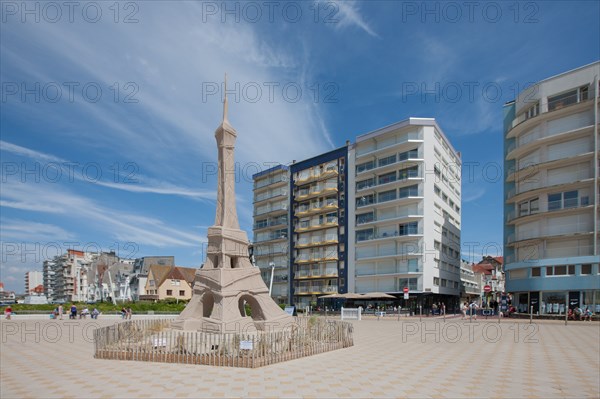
x: 278, y: 208
x: 272, y: 237
x: 317, y: 175
x: 533, y: 255
x: 575, y: 229
x: 274, y: 180
x: 409, y: 178
x: 270, y: 223
x: 553, y: 106
x: 360, y: 221
x: 316, y: 241
x: 315, y: 258
x: 369, y: 201
x: 270, y: 195
x: 316, y: 289
x: 330, y: 221
x: 406, y: 252
x: 320, y: 190
x: 321, y: 206
x: 412, y: 137
x: 306, y: 274
x: 380, y: 236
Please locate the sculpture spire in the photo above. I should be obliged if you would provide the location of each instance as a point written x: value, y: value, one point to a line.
x: 225, y: 102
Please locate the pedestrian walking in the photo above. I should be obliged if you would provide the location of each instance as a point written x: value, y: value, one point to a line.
x: 60, y: 312
x: 8, y: 312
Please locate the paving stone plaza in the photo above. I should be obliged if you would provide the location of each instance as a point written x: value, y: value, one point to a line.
x: 390, y: 358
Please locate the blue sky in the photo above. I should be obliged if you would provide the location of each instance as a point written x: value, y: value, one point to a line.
x: 108, y: 113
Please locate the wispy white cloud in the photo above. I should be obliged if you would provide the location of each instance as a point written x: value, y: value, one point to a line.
x: 135, y: 186
x: 117, y: 224
x: 472, y: 194
x: 349, y: 15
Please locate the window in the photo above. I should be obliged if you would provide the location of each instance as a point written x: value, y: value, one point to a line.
x: 387, y: 196
x: 533, y: 111
x: 586, y: 269
x: 444, y: 282
x: 365, y: 166
x: 365, y: 200
x: 363, y: 235
x: 567, y: 199
x: 387, y: 160
x: 387, y: 178
x: 536, y: 272
x: 412, y: 154
x: 562, y: 100
x: 436, y: 281
x: 437, y: 190
x: 170, y: 292
x: 411, y: 283
x: 365, y: 184
x: 411, y: 191
x: 404, y: 174
x: 436, y: 245
x: 529, y: 207
x: 261, y: 223
x: 365, y: 218
x: 408, y: 228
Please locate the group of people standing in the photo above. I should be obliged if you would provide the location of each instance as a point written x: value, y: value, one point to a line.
x: 469, y: 307
x: 58, y: 312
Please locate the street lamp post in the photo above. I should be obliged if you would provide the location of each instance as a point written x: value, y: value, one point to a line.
x: 272, y: 273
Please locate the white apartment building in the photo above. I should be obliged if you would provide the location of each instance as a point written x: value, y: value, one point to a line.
x: 32, y: 280
x: 551, y: 211
x: 404, y: 216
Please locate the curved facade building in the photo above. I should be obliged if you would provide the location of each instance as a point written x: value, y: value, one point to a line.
x: 551, y: 215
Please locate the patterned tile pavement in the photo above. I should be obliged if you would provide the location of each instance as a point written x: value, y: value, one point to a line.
x: 391, y: 358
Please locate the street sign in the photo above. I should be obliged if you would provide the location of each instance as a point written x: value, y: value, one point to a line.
x: 487, y: 288
x: 405, y: 290
x: 406, y: 295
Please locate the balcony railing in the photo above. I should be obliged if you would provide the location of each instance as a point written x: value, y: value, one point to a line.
x: 329, y: 221
x: 411, y: 136
x: 553, y: 105
x: 366, y: 201
x: 282, y: 207
x: 402, y: 178
x: 271, y: 237
x: 266, y: 182
x: 329, y: 289
x: 274, y: 194
x: 360, y: 221
x: 317, y: 273
x: 377, y: 236
x: 534, y: 253
x: 328, y: 172
x: 271, y: 223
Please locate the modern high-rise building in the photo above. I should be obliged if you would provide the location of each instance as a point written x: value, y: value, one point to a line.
x: 318, y: 241
x: 380, y: 215
x: 32, y: 281
x: 551, y: 193
x: 404, y: 212
x: 272, y: 229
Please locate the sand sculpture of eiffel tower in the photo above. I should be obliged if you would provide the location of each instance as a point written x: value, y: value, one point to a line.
x: 228, y: 280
